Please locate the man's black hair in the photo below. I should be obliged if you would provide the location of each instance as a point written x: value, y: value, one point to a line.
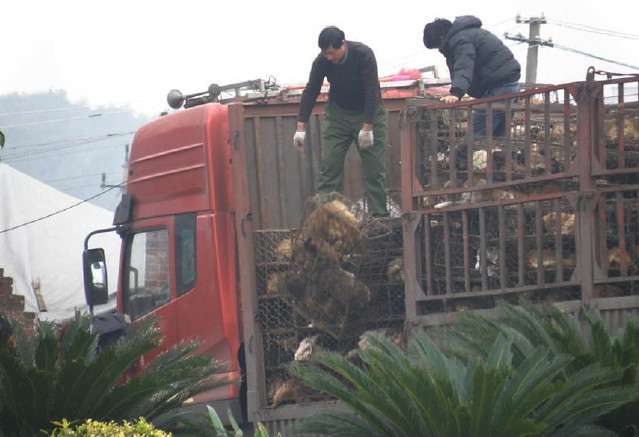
x: 435, y: 32
x: 330, y: 36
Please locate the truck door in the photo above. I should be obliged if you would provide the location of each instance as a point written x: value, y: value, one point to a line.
x: 147, y: 282
x: 200, y: 296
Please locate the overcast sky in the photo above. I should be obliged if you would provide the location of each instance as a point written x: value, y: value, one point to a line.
x: 132, y: 52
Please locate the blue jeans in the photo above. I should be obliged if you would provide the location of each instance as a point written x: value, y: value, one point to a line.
x: 499, y: 117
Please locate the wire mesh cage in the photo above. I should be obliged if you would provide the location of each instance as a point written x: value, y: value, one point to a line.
x: 619, y: 126
x: 504, y: 141
x: 515, y: 245
x: 315, y: 293
x: 618, y: 236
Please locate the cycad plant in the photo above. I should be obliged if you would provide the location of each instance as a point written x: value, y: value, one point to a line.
x: 582, y: 336
x: 58, y: 374
x: 423, y: 392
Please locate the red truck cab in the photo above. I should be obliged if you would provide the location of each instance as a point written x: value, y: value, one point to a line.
x: 178, y: 255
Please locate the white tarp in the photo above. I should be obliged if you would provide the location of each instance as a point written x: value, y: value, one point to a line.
x: 48, y: 253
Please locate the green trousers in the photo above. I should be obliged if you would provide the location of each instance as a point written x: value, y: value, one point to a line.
x: 340, y: 129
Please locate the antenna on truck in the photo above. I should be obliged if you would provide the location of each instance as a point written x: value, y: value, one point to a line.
x: 176, y: 99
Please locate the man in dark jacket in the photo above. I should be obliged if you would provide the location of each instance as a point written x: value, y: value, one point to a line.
x: 480, y: 64
x: 354, y: 113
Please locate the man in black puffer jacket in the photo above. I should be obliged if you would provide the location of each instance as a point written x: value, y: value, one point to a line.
x: 480, y: 64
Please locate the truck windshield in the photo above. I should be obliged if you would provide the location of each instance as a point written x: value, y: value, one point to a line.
x: 146, y: 281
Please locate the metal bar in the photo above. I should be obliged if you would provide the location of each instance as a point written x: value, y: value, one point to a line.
x: 547, y: 133
x: 588, y: 96
x: 602, y: 254
x: 470, y: 146
x: 556, y: 207
x: 428, y: 255
x: 407, y: 151
x: 449, y: 276
x: 482, y: 249
x: 621, y: 227
x: 620, y: 127
x: 489, y: 143
x: 614, y: 280
x: 503, y: 237
x: 539, y: 237
x: 567, y: 144
x: 527, y: 139
x: 452, y: 148
x: 521, y: 244
x: 616, y: 171
x: 531, y: 198
x: 433, y: 154
x: 495, y: 99
x: 466, y: 240
x: 508, y: 145
x: 518, y: 183
x: 603, y: 304
x: 500, y: 292
x: 291, y: 108
x: 413, y: 263
x: 598, y: 125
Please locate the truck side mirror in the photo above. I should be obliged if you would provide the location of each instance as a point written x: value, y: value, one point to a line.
x: 96, y: 288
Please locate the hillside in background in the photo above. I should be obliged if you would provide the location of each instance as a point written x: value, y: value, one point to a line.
x: 67, y: 145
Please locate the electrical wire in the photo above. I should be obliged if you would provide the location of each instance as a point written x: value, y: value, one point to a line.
x: 59, y: 120
x: 50, y: 153
x: 40, y: 111
x: 15, y: 153
x: 77, y: 177
x: 60, y: 211
x: 71, y: 140
x: 499, y: 23
x: 591, y: 55
x: 592, y: 29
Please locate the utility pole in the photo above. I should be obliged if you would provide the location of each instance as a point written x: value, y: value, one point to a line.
x: 125, y: 173
x: 534, y: 41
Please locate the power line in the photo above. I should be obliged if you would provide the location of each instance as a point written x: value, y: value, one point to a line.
x: 49, y: 153
x: 71, y: 140
x: 568, y: 26
x: 549, y: 43
x: 58, y: 120
x: 77, y: 177
x: 40, y: 111
x: 586, y: 27
x: 15, y: 154
x: 499, y: 23
x: 60, y: 211
x: 591, y: 55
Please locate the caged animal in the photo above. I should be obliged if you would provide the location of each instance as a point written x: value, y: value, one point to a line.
x: 288, y: 391
x: 318, y: 283
x: 567, y: 221
x: 275, y: 282
x: 395, y: 270
x: 307, y: 349
x: 334, y: 300
x: 284, y: 250
x: 332, y: 224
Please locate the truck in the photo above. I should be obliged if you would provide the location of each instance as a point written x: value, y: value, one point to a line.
x: 546, y: 211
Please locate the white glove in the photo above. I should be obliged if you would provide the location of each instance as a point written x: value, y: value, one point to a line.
x: 298, y: 139
x: 365, y: 139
